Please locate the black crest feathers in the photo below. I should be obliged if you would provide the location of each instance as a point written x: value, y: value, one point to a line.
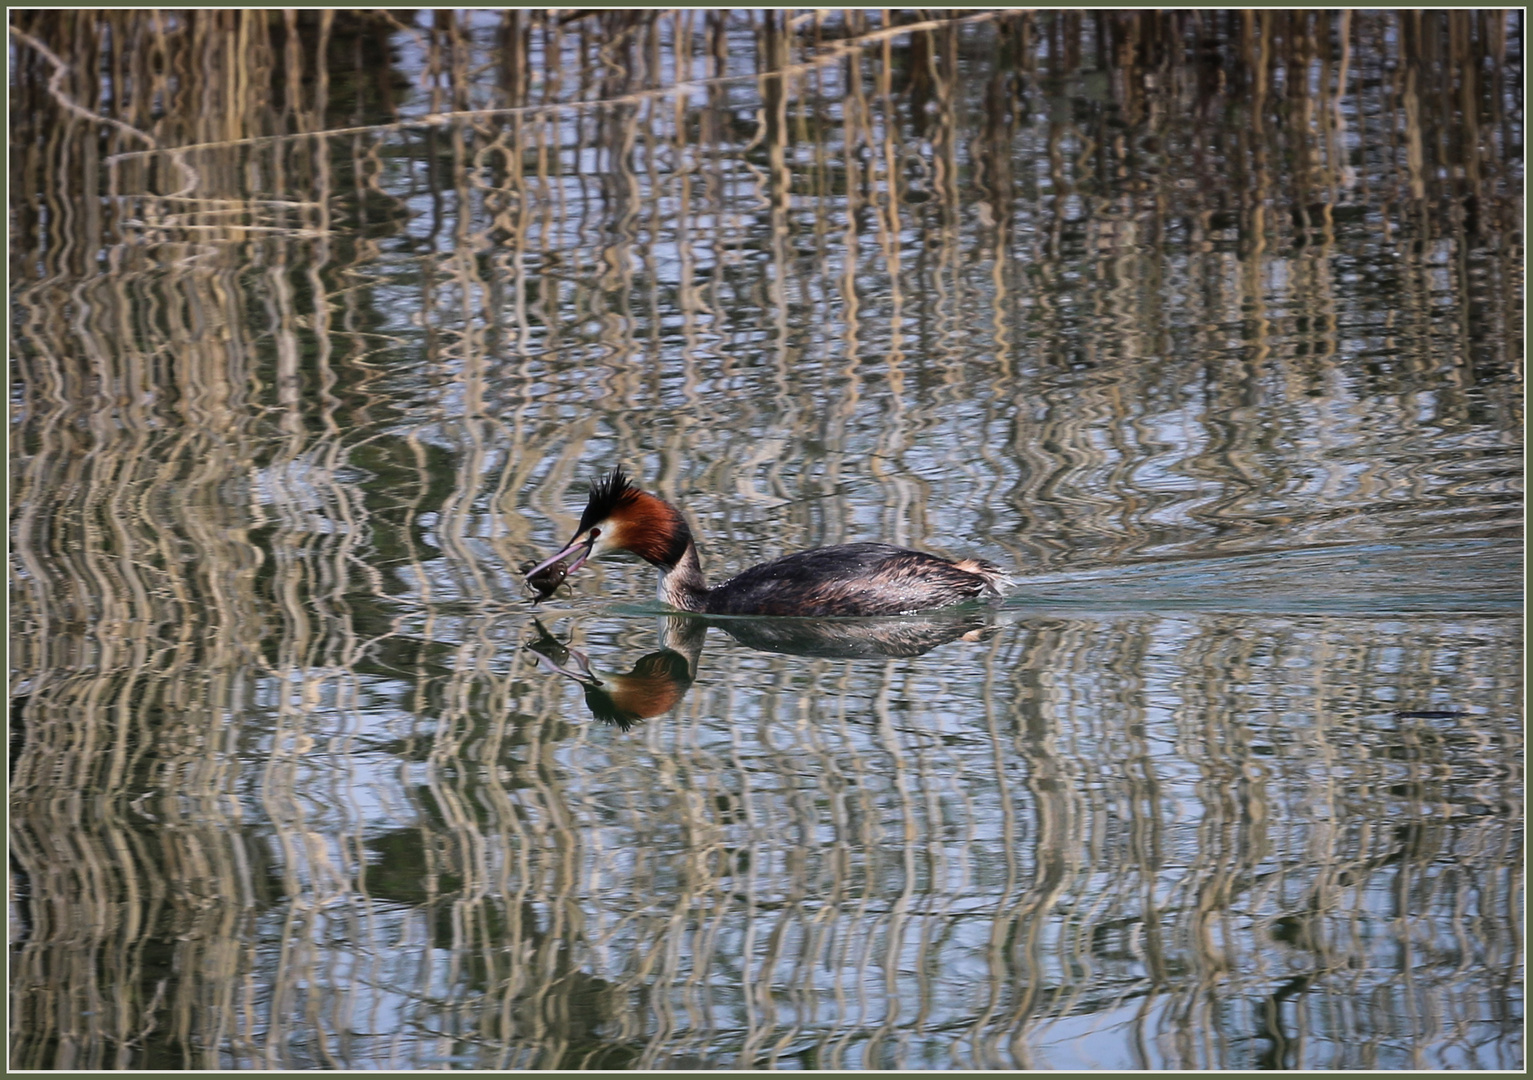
x: 607, y: 494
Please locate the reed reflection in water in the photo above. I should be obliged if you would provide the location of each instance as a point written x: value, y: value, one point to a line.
x: 1206, y: 323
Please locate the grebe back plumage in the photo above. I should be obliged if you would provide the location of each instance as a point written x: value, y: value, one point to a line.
x: 846, y: 579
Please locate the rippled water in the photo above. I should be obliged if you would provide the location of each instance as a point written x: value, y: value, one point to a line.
x: 1206, y: 325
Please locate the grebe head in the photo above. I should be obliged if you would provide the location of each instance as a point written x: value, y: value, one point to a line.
x: 620, y: 517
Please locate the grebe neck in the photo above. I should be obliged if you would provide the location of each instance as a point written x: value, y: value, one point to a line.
x: 682, y: 584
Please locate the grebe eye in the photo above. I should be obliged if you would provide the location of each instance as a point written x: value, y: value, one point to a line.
x: 595, y: 533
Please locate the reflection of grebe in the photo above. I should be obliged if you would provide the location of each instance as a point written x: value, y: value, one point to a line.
x: 656, y: 684
x: 848, y: 579
x: 659, y: 680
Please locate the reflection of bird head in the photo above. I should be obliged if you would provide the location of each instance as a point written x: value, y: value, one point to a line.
x: 656, y: 685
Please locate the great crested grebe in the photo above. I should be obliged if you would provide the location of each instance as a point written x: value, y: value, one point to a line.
x: 847, y: 579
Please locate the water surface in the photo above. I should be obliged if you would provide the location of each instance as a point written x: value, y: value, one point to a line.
x: 1206, y: 325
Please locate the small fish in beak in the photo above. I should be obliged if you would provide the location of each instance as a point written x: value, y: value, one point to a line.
x: 542, y: 581
x: 548, y: 575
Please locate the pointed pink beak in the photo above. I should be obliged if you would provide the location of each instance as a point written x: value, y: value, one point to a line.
x: 574, y: 545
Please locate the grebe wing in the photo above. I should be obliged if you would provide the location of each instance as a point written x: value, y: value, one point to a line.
x: 847, y: 579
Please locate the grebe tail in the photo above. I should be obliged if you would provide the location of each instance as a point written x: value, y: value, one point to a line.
x: 846, y: 579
